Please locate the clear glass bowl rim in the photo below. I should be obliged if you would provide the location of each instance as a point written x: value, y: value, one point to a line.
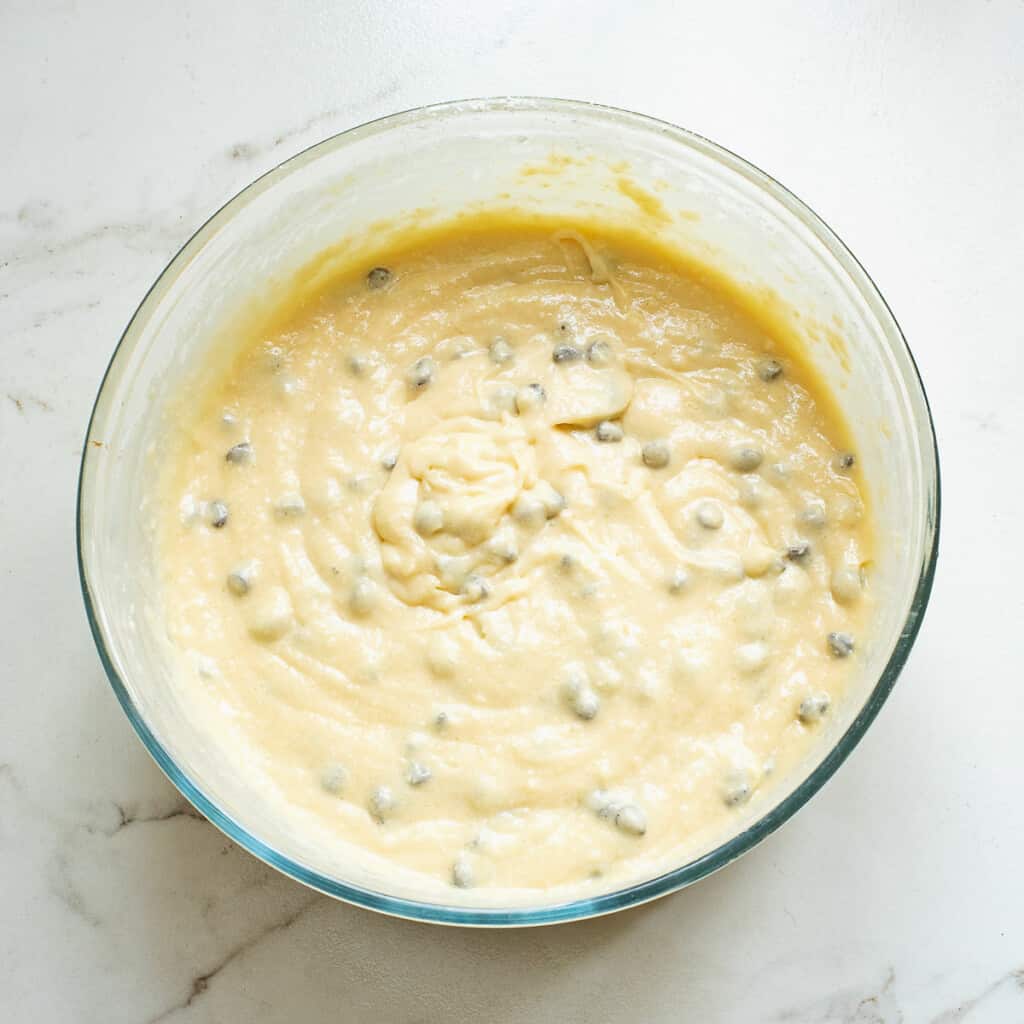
x: 721, y: 855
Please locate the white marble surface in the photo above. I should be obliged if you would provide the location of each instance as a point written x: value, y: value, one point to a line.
x: 898, y: 893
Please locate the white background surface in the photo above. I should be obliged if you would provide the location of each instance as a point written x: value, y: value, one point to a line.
x: 898, y: 893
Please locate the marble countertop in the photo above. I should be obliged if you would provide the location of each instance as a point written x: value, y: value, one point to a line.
x: 897, y: 894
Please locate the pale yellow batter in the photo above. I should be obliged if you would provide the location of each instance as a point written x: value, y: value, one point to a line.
x: 524, y: 559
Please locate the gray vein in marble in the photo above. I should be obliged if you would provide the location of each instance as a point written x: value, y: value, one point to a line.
x: 20, y: 403
x: 129, y: 817
x: 110, y: 820
x: 128, y: 232
x: 61, y: 883
x: 43, y: 317
x: 247, y: 152
x: 1014, y: 980
x: 38, y: 222
x: 41, y: 216
x: 201, y: 982
x: 63, y: 886
x: 875, y: 1006
x: 111, y: 817
x: 8, y: 776
x: 986, y: 422
x: 107, y: 819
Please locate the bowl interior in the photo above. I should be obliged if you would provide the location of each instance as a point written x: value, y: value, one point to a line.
x: 553, y: 158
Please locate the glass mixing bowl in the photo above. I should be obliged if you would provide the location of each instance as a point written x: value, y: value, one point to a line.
x: 540, y: 156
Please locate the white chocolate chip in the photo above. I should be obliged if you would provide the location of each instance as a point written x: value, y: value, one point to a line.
x: 363, y: 598
x: 269, y: 613
x: 846, y: 585
x: 428, y: 518
x: 709, y: 514
x: 751, y: 657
